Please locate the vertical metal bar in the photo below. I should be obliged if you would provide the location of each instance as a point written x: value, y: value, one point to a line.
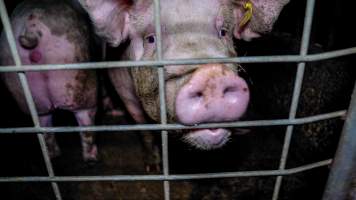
x: 296, y: 92
x: 341, y: 173
x: 157, y: 11
x: 164, y: 136
x: 49, y: 166
x: 28, y: 96
x: 163, y: 111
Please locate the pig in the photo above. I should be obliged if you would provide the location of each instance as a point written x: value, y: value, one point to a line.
x: 195, y: 94
x: 52, y: 32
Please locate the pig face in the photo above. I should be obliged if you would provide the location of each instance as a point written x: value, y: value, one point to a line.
x: 190, y: 29
x: 185, y: 34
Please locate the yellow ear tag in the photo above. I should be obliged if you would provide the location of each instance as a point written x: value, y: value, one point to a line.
x: 248, y: 14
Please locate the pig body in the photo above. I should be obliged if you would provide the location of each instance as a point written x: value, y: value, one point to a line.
x: 51, y: 32
x: 190, y: 29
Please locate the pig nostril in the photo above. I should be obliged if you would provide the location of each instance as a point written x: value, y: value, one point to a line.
x: 230, y: 90
x: 196, y: 95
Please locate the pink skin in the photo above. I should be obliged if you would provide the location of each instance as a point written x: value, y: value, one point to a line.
x: 51, y: 89
x: 208, y: 138
x: 35, y: 56
x: 194, y: 94
x: 211, y: 96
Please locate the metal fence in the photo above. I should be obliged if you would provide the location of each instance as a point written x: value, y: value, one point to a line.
x: 340, y: 175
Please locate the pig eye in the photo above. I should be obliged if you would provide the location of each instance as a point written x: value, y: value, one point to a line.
x: 222, y: 32
x: 151, y: 39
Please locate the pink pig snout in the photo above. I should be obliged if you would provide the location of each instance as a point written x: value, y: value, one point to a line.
x: 214, y: 93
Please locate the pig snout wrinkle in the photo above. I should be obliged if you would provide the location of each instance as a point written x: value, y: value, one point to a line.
x: 213, y: 94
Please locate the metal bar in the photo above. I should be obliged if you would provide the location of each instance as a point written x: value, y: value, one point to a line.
x: 159, y: 127
x: 284, y: 172
x: 28, y: 96
x: 163, y: 109
x: 157, y: 11
x: 246, y: 59
x: 343, y: 167
x: 49, y: 166
x: 296, y: 92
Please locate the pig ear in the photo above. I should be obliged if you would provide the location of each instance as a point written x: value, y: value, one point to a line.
x: 110, y: 18
x: 256, y: 17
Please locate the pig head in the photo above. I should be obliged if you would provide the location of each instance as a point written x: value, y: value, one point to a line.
x: 195, y: 94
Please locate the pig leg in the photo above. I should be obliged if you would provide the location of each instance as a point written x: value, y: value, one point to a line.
x: 51, y: 143
x: 110, y: 109
x: 89, y: 148
x: 152, y: 158
x: 123, y: 84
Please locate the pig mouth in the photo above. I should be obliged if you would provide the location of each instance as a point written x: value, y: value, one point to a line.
x: 207, y: 139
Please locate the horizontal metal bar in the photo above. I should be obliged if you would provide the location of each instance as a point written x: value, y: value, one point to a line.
x: 160, y: 127
x: 283, y: 172
x: 117, y: 64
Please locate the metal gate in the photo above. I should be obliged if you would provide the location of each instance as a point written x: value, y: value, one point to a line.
x: 339, y: 178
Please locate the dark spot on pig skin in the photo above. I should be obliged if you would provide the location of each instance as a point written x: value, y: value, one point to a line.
x: 86, y: 81
x: 39, y: 33
x: 211, y: 87
x: 77, y: 59
x: 31, y: 17
x: 84, y: 87
x: 192, y: 46
x: 45, y: 76
x: 206, y: 105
